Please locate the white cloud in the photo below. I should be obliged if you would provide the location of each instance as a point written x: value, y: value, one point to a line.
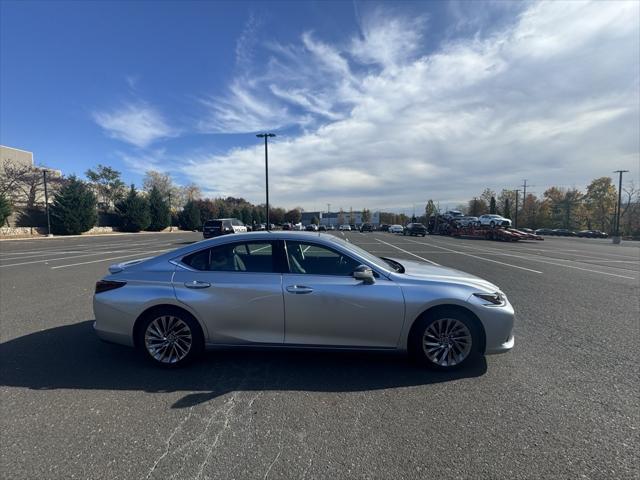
x: 136, y: 123
x: 552, y: 97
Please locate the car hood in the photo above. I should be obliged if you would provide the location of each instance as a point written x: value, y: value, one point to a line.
x: 427, y: 272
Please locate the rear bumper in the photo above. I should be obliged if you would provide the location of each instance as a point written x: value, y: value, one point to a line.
x: 112, y: 337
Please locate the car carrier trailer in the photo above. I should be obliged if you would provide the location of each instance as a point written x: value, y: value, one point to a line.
x: 492, y: 233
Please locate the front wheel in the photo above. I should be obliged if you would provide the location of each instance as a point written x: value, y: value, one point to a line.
x: 170, y: 338
x: 445, y: 341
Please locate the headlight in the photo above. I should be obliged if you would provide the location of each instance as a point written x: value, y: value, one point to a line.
x: 492, y: 298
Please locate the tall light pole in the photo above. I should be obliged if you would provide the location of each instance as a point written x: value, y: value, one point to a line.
x: 266, y: 169
x: 46, y: 201
x: 616, y: 238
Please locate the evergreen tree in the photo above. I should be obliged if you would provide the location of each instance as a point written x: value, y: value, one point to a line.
x: 492, y: 206
x: 134, y: 212
x: 5, y: 209
x: 190, y: 217
x: 506, y: 211
x: 158, y: 210
x: 74, y: 209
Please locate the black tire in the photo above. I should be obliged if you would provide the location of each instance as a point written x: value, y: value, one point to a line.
x: 196, y: 346
x: 418, y: 352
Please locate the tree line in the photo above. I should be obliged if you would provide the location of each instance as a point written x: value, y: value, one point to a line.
x: 559, y: 207
x: 78, y: 204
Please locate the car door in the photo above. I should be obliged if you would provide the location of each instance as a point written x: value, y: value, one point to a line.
x: 325, y: 305
x: 235, y: 289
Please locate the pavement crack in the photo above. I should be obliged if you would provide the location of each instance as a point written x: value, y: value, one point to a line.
x: 168, y: 443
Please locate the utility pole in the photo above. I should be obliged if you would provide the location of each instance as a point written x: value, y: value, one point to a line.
x: 266, y: 170
x: 46, y: 202
x: 524, y: 199
x: 616, y: 238
x: 515, y: 223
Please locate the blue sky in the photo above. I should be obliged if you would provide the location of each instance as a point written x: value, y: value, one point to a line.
x: 375, y: 105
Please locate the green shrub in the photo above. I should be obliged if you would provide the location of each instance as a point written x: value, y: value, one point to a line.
x: 5, y: 209
x: 190, y: 217
x: 74, y: 209
x: 134, y: 212
x: 158, y: 210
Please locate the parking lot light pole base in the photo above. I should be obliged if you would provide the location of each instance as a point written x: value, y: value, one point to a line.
x: 616, y: 240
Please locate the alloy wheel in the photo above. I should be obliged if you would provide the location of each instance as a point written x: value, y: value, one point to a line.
x: 447, y: 342
x: 168, y: 339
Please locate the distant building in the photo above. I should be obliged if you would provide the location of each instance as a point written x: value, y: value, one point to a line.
x: 15, y: 157
x: 333, y: 218
x: 25, y: 179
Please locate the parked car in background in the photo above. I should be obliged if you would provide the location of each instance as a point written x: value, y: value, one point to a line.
x: 492, y: 220
x: 222, y: 226
x: 415, y: 229
x: 366, y: 227
x: 384, y: 227
x: 544, y: 231
x: 311, y: 227
x: 592, y: 234
x: 526, y: 230
x: 287, y: 226
x: 354, y: 227
x: 396, y: 229
x: 331, y: 227
x: 322, y: 228
x: 564, y: 232
x: 345, y: 227
x: 237, y: 292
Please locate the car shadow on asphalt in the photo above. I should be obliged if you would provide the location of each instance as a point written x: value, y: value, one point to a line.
x: 71, y: 357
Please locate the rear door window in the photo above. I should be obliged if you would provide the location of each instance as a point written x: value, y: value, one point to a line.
x: 256, y: 257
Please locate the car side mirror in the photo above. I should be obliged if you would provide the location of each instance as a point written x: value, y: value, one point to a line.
x: 365, y: 274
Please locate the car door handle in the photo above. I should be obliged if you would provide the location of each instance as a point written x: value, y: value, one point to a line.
x: 197, y: 284
x: 299, y: 289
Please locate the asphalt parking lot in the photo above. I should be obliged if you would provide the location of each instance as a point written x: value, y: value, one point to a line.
x: 564, y: 403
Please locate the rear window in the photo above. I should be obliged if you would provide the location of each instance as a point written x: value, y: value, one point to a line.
x: 212, y: 223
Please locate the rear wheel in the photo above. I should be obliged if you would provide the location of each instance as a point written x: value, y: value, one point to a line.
x: 170, y: 338
x: 446, y: 340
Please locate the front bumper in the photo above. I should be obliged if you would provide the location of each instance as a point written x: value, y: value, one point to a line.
x: 503, y: 347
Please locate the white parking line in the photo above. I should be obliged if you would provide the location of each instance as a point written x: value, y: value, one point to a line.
x: 111, y: 258
x: 534, y: 259
x: 479, y: 258
x: 46, y: 260
x: 409, y: 253
x: 72, y: 249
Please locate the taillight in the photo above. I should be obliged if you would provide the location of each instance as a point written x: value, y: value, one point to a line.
x: 106, y: 285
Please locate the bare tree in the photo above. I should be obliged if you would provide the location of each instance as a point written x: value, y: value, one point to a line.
x: 12, y: 175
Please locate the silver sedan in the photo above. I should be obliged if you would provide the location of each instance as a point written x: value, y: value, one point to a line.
x: 289, y: 289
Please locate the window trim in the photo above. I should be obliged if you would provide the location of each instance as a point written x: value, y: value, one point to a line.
x: 275, y: 261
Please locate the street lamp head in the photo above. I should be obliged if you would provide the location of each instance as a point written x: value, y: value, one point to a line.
x: 262, y: 135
